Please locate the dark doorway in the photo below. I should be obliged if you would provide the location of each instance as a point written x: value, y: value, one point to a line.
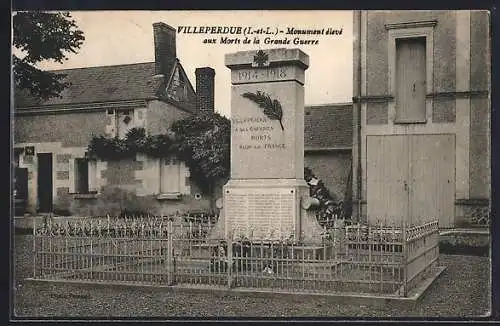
x: 20, y: 190
x: 44, y: 182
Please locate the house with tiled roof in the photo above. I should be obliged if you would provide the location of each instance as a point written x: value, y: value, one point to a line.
x: 51, y: 138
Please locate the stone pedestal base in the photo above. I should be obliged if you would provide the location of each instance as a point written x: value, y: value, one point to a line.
x: 267, y: 209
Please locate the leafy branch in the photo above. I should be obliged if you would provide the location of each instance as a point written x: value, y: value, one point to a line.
x: 39, y: 36
x: 201, y: 141
x: 272, y: 108
x: 136, y: 141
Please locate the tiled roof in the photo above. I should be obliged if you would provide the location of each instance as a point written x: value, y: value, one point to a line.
x: 328, y: 126
x: 103, y: 84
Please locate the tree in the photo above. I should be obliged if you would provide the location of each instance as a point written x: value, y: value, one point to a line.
x: 204, y: 144
x: 43, y: 36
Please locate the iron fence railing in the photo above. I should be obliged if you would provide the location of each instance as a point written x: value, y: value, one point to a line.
x: 356, y: 258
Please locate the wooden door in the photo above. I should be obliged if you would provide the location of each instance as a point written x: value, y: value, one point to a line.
x: 432, y: 170
x: 387, y: 179
x: 410, y: 79
x: 411, y: 178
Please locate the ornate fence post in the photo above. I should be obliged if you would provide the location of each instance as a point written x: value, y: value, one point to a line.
x: 230, y: 260
x: 91, y: 250
x: 34, y: 247
x: 436, y: 238
x: 170, y: 253
x: 142, y: 236
x: 405, y: 259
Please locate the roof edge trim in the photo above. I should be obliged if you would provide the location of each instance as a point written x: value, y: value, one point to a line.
x: 61, y: 108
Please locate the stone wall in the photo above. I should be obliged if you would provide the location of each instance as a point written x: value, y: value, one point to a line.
x: 70, y: 129
x: 376, y: 47
x: 128, y: 185
x: 479, y: 155
x: 101, y: 206
x: 160, y: 116
x: 480, y: 57
x: 122, y: 173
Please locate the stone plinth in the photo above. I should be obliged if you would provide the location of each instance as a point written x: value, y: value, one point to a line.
x: 262, y: 200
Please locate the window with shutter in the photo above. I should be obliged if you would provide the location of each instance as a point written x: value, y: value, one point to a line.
x: 410, y: 67
x: 85, y: 172
x: 174, y: 178
x: 170, y: 176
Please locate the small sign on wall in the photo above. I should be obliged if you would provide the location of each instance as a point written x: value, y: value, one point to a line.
x: 29, y: 150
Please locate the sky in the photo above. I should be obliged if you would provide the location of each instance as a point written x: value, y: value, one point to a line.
x: 121, y: 37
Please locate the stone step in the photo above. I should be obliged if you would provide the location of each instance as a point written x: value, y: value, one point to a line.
x: 309, y: 252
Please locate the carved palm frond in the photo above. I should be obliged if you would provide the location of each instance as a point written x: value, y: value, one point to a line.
x: 272, y: 108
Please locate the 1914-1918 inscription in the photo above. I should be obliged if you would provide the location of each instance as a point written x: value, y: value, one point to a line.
x: 257, y: 75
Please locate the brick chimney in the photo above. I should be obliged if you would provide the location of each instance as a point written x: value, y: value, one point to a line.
x: 205, y: 88
x: 165, y: 50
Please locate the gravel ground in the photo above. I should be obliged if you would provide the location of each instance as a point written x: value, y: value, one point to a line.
x: 463, y: 290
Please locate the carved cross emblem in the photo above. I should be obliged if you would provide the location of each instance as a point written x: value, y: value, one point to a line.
x: 261, y: 59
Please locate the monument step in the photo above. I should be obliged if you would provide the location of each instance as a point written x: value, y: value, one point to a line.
x: 206, y: 250
x: 258, y: 267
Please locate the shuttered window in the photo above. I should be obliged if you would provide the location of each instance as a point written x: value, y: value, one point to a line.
x: 170, y: 176
x: 85, y: 176
x: 174, y: 176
